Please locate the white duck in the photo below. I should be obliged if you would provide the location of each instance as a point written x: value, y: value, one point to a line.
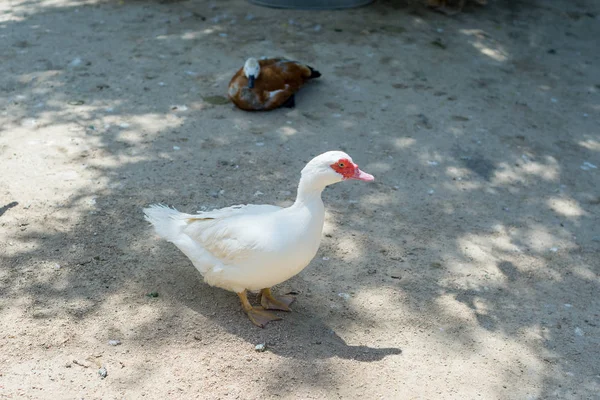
x: 254, y: 247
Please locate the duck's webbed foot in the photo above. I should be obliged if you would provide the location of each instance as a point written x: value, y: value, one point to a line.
x: 257, y: 315
x: 281, y: 303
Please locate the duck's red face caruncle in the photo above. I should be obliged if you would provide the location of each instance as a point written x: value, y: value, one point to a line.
x: 349, y: 170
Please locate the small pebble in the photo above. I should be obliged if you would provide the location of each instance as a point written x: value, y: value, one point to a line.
x: 260, y: 347
x: 176, y: 148
x: 578, y: 331
x: 344, y: 296
x: 75, y: 63
x: 586, y: 166
x: 114, y: 342
x: 103, y: 372
x: 325, y: 258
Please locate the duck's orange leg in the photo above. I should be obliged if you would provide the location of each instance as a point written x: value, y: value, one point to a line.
x: 269, y: 302
x: 257, y: 315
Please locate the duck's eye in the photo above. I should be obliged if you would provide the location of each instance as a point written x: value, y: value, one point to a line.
x: 341, y: 165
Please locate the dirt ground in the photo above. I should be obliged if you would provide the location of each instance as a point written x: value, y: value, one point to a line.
x: 468, y: 270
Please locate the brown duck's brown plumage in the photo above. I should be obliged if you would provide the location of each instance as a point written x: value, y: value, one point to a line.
x: 279, y: 79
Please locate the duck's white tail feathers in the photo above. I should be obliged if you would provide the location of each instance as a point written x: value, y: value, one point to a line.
x: 168, y: 222
x: 170, y: 225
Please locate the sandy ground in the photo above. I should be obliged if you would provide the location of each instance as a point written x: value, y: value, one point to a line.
x: 468, y: 270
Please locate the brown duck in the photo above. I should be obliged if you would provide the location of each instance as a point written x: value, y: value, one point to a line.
x: 268, y: 84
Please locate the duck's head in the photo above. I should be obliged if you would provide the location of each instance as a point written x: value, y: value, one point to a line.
x: 251, y: 70
x: 332, y: 167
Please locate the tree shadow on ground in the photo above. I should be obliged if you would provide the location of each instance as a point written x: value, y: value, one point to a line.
x: 456, y: 241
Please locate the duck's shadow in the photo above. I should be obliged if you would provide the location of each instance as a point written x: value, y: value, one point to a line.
x: 301, y: 334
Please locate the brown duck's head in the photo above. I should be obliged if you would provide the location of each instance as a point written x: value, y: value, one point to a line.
x: 251, y: 70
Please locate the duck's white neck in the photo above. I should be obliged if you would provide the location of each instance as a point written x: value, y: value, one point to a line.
x: 309, y: 190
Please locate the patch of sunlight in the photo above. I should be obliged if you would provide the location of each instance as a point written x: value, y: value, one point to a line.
x: 287, y: 131
x: 455, y: 172
x: 544, y: 171
x: 566, y: 207
x: 378, y: 167
x: 456, y: 131
x: 195, y: 34
x: 347, y: 248
x: 404, y: 142
x: 508, y: 173
x: 380, y: 199
x: 496, y: 54
x: 480, y: 305
x: 504, y: 243
x: 418, y: 21
x: 42, y: 77
x: 540, y: 239
x: 478, y: 33
x: 474, y: 250
x: 375, y: 299
x: 147, y: 123
x: 10, y: 8
x: 590, y: 144
x: 482, y: 248
x: 198, y: 106
x: 585, y: 273
x: 454, y: 308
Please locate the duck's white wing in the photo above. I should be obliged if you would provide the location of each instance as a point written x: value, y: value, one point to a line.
x: 230, y: 234
x: 241, y: 209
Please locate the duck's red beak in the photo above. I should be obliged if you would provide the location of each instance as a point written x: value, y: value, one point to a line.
x: 361, y: 175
